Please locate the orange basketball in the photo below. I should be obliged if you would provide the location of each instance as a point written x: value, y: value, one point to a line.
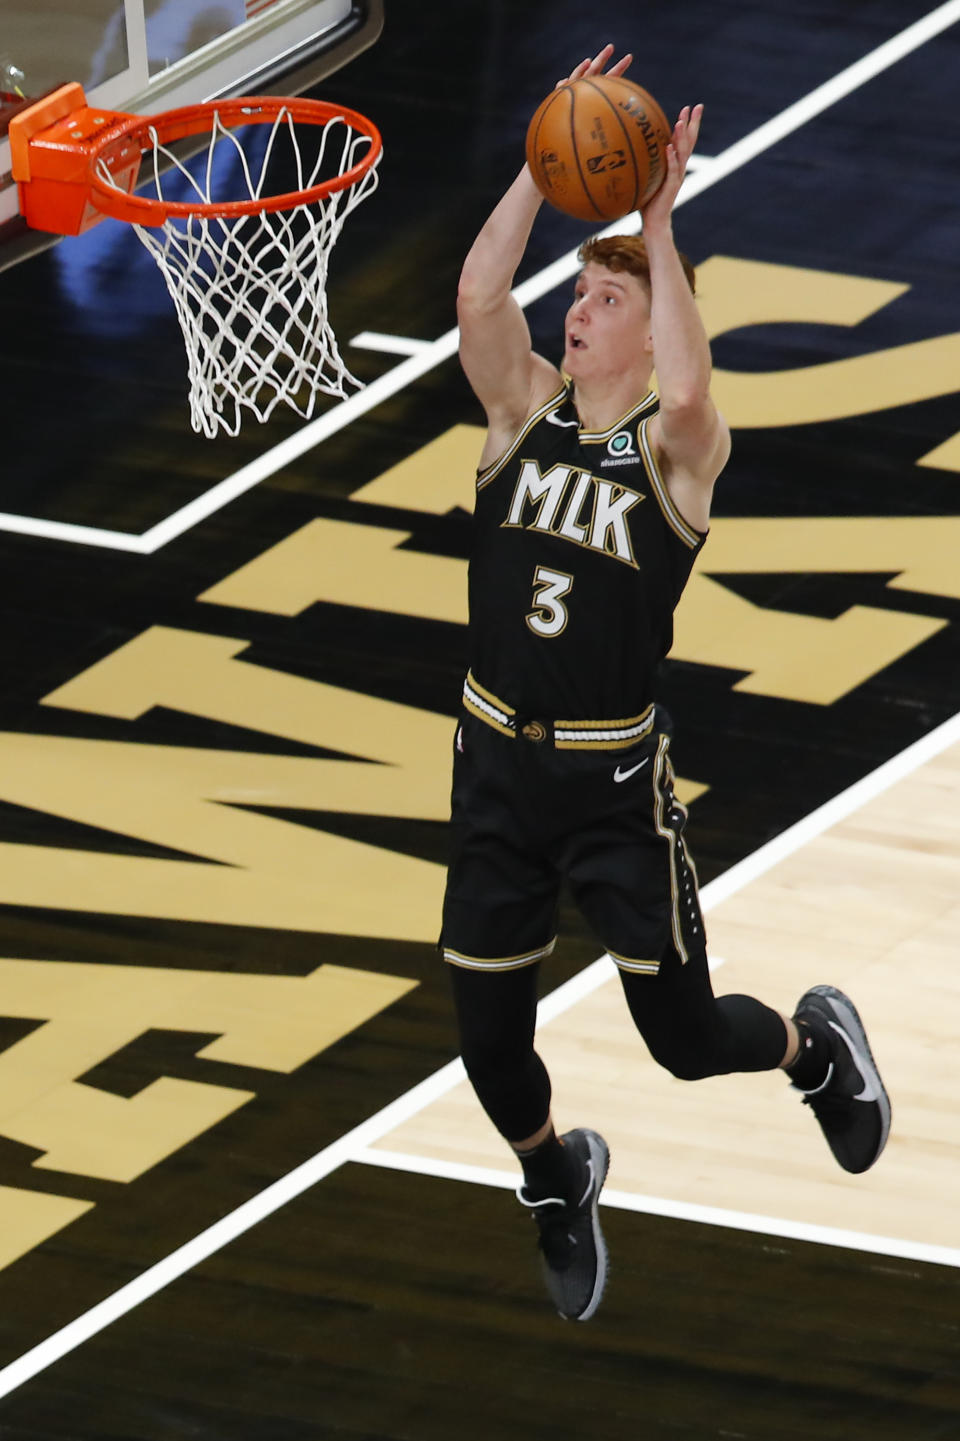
x: 597, y: 147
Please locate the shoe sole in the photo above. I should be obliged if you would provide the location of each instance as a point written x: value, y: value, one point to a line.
x: 600, y: 1155
x: 847, y: 1017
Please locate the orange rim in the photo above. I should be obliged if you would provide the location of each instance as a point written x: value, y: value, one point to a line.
x: 174, y: 125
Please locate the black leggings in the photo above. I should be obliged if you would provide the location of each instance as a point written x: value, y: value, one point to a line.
x: 686, y: 1028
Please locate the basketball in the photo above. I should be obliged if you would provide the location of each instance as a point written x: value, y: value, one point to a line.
x: 597, y: 147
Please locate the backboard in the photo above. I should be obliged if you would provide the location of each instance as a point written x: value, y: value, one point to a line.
x: 149, y: 55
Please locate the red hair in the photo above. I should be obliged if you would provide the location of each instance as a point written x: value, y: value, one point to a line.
x: 629, y: 253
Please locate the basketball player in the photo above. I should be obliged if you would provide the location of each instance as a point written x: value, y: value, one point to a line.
x: 593, y: 498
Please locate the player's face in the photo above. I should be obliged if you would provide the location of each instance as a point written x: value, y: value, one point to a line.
x: 608, y: 324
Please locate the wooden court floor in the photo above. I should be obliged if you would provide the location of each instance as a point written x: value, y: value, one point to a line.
x: 245, y: 1193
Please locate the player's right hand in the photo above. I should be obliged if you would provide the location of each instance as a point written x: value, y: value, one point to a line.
x: 684, y: 138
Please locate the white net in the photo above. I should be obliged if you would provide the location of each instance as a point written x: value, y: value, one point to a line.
x: 251, y: 291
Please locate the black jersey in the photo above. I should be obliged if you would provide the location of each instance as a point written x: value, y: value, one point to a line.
x: 579, y: 559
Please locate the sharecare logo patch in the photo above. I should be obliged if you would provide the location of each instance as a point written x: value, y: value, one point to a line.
x: 620, y: 450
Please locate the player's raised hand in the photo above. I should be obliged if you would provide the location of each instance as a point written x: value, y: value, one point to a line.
x: 682, y: 142
x: 596, y: 66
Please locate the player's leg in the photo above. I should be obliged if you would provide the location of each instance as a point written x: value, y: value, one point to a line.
x: 637, y: 885
x: 562, y: 1175
x: 496, y: 1014
x: 694, y: 1034
x: 827, y: 1056
x: 632, y: 876
x: 499, y: 920
x: 496, y: 1017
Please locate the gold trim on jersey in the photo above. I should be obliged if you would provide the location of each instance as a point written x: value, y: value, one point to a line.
x: 663, y: 782
x: 485, y: 476
x: 588, y: 437
x: 568, y: 735
x: 597, y: 437
x: 498, y: 963
x: 690, y: 537
x: 640, y: 968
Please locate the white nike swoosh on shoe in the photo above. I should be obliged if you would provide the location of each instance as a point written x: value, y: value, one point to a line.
x: 552, y: 419
x: 591, y: 1177
x: 620, y: 775
x: 869, y: 1092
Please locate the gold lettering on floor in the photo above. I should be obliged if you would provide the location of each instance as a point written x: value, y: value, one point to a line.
x: 736, y: 293
x: 28, y: 1218
x: 840, y: 388
x: 438, y: 477
x: 344, y: 564
x: 919, y: 551
x: 90, y: 1012
x: 807, y: 658
x: 269, y: 872
x: 733, y: 293
x: 945, y: 456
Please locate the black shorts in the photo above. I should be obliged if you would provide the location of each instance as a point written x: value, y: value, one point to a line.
x: 526, y: 817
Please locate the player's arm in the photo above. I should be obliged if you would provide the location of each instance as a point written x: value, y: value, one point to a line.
x: 508, y: 378
x: 691, y: 438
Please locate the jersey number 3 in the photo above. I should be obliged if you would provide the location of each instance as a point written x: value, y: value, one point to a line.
x: 549, y: 588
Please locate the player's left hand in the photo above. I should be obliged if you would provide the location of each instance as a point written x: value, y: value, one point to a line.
x: 657, y: 210
x: 596, y: 66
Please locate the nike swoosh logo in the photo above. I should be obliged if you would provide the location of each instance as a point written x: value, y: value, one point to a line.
x: 620, y: 775
x: 553, y: 420
x: 589, y: 1185
x: 870, y: 1091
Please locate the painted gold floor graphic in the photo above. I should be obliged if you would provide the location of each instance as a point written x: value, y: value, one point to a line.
x: 89, y: 1012
x: 872, y: 906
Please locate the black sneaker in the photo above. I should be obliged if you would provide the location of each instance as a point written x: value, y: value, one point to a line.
x: 573, y: 1251
x: 851, y: 1104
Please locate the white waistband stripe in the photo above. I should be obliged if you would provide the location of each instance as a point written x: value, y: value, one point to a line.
x: 480, y: 703
x: 594, y: 733
x: 590, y: 734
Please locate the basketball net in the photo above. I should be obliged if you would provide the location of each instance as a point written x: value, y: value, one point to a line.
x: 250, y: 291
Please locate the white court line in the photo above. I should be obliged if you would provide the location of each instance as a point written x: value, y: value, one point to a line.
x: 389, y: 344
x: 357, y: 1141
x: 75, y: 534
x: 356, y: 1144
x: 709, y: 173
x: 222, y: 1232
x: 681, y: 1210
